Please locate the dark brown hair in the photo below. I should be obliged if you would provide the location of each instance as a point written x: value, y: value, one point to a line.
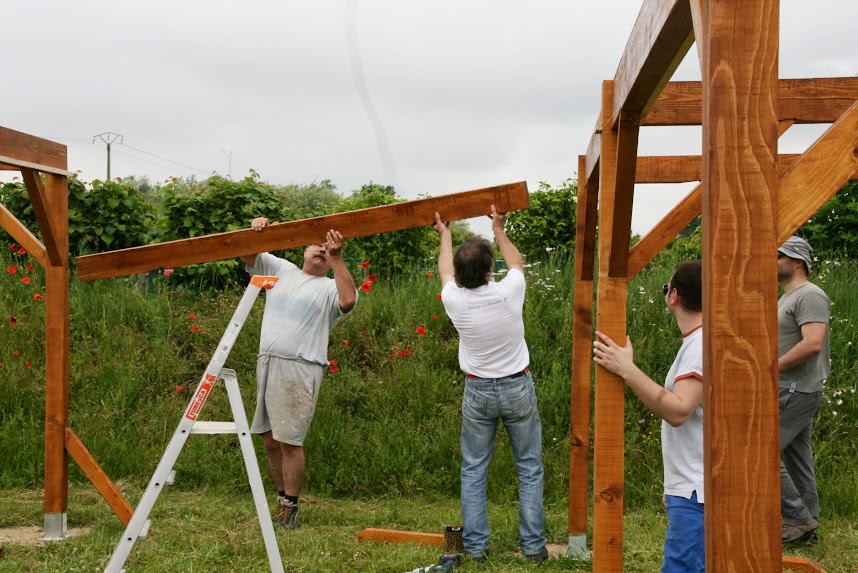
x: 687, y: 279
x: 473, y: 261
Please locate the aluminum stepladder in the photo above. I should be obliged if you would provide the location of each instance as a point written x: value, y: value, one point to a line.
x: 139, y: 524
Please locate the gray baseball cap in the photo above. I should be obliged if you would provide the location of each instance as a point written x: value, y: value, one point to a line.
x: 797, y: 248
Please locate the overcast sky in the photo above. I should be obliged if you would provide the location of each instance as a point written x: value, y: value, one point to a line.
x: 430, y: 97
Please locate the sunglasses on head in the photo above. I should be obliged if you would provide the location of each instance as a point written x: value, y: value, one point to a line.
x: 665, y: 289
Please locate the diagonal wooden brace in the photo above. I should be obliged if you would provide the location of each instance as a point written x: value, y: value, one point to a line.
x: 41, y: 209
x: 384, y: 219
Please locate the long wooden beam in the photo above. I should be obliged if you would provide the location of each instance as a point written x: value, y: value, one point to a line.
x: 22, y: 234
x: 624, y: 191
x: 661, y: 35
x: 802, y: 565
x: 394, y: 536
x: 42, y: 211
x: 815, y: 100
x: 827, y: 165
x: 99, y: 479
x: 17, y: 146
x: 683, y: 168
x: 11, y: 164
x: 396, y: 217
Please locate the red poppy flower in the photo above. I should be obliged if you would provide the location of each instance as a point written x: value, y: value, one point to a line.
x: 400, y: 354
x: 28, y: 267
x: 372, y: 278
x: 22, y: 251
x: 179, y: 388
x: 390, y: 356
x: 11, y: 269
x: 408, y: 352
x: 395, y: 347
x: 428, y: 275
x: 38, y: 296
x: 17, y: 353
x: 364, y: 265
x: 333, y: 369
x: 27, y: 364
x: 332, y: 362
x: 192, y: 316
x: 26, y: 280
x: 438, y: 296
x: 345, y: 342
x: 434, y: 317
x: 13, y: 247
x: 366, y: 286
x: 13, y: 320
x: 168, y: 272
x: 195, y: 328
x: 420, y: 330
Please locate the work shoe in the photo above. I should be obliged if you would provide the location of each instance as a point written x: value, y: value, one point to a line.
x: 539, y: 557
x: 790, y: 533
x: 287, y: 515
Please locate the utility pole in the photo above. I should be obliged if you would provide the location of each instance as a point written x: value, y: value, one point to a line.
x: 108, y: 138
x: 228, y: 156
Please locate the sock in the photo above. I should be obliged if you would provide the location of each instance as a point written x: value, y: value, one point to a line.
x: 281, y: 494
x: 293, y: 499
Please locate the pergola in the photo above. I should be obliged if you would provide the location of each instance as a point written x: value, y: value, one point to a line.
x: 751, y: 199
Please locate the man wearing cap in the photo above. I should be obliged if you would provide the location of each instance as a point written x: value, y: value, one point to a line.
x: 498, y: 385
x: 803, y: 363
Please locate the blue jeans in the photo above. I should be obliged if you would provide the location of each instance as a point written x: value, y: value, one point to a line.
x: 512, y: 400
x: 684, y: 549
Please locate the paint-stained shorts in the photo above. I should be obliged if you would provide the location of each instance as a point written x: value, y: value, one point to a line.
x: 286, y: 395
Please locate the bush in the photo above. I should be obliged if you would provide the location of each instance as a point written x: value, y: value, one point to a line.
x: 549, y: 223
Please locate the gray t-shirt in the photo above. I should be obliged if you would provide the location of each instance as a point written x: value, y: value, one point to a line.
x: 807, y: 303
x: 300, y: 311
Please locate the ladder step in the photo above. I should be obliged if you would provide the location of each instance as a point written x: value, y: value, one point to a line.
x: 145, y: 530
x: 171, y: 477
x: 206, y: 427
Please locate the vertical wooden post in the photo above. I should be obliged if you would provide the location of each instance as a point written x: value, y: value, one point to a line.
x: 740, y: 179
x: 57, y: 363
x: 611, y: 303
x: 582, y: 336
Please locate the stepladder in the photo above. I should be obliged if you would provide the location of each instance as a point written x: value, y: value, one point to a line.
x: 191, y: 423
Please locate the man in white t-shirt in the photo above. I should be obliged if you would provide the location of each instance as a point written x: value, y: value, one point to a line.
x: 679, y: 403
x: 498, y: 383
x: 300, y: 311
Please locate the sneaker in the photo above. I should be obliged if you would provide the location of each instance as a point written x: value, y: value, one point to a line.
x: 790, y: 533
x: 287, y: 515
x: 539, y: 557
x: 478, y: 557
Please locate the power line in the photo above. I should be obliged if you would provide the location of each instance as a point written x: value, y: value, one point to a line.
x: 165, y: 159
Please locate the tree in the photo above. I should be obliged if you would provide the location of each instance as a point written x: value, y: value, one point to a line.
x: 834, y: 228
x: 549, y: 224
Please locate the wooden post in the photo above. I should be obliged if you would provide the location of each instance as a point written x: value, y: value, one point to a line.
x: 582, y: 336
x: 740, y: 180
x: 57, y: 362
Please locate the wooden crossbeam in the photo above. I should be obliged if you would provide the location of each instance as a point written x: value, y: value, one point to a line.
x: 827, y: 165
x: 683, y: 168
x: 396, y: 217
x: 11, y: 164
x: 624, y: 192
x: 99, y: 479
x: 42, y: 211
x: 17, y: 146
x: 660, y: 38
x: 394, y: 536
x: 594, y: 152
x: 815, y: 100
x: 23, y: 236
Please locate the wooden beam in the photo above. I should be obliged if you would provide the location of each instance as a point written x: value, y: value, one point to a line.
x: 11, y: 164
x: 22, y: 147
x: 624, y: 192
x: 99, y: 479
x: 352, y: 224
x: 802, y: 565
x: 594, y: 152
x: 57, y: 352
x: 818, y: 174
x: 582, y: 337
x: 661, y: 36
x: 684, y: 168
x: 815, y: 100
x: 41, y: 209
x: 393, y: 536
x: 608, y: 442
x: 740, y: 181
x: 23, y: 236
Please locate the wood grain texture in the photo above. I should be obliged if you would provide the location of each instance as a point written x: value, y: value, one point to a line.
x: 594, y: 152
x: 361, y: 223
x: 741, y: 454
x: 41, y: 210
x: 660, y: 37
x: 11, y: 164
x: 683, y: 168
x: 818, y: 174
x: 582, y: 336
x: 609, y: 437
x: 624, y: 192
x: 23, y: 147
x: 802, y: 565
x: 814, y: 100
x: 106, y: 488
x: 23, y: 236
x: 393, y: 536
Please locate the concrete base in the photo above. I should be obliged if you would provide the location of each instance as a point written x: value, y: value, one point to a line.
x: 56, y: 527
x: 578, y: 547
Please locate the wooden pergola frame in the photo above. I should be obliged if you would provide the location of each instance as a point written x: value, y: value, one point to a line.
x: 751, y: 200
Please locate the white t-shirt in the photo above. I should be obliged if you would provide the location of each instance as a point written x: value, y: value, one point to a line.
x: 300, y: 311
x: 682, y: 447
x: 490, y: 325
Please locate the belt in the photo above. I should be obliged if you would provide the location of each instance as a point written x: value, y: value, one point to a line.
x: 512, y: 376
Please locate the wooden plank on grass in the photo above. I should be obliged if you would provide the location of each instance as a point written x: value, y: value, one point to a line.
x: 740, y: 181
x: 396, y: 217
x: 18, y: 146
x: 99, y: 479
x: 802, y: 565
x: 394, y: 536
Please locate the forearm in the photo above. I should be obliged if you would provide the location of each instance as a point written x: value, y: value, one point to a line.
x: 445, y: 258
x: 345, y: 283
x: 509, y: 252
x: 797, y: 355
x: 661, y: 401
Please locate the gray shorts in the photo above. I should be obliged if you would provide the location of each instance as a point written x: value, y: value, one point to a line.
x: 286, y: 395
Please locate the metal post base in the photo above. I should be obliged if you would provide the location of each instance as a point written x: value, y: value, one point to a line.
x: 578, y: 547
x: 55, y: 527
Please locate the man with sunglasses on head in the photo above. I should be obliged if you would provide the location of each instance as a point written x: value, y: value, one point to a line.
x: 803, y: 364
x: 679, y: 403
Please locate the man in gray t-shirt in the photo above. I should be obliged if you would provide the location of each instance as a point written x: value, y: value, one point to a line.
x: 300, y: 311
x: 803, y: 363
